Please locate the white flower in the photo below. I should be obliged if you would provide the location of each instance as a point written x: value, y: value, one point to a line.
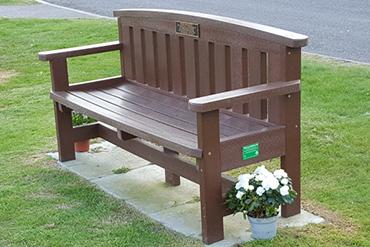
x: 270, y: 182
x: 284, y: 181
x: 260, y: 190
x: 251, y: 187
x: 280, y: 174
x: 242, y: 184
x: 238, y: 185
x: 284, y: 191
x: 239, y: 194
x: 273, y: 183
x: 265, y: 184
x: 245, y: 177
x: 260, y: 177
x: 243, y: 181
x: 261, y: 170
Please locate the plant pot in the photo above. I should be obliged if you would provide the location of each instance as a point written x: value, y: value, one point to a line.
x: 263, y: 228
x: 82, y: 146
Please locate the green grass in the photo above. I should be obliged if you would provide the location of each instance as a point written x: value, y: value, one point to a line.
x: 121, y: 170
x: 15, y: 2
x: 41, y: 205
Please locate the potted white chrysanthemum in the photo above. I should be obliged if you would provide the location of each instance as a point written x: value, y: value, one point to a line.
x: 259, y: 195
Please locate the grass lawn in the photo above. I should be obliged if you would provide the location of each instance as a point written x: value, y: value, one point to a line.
x: 41, y: 205
x: 15, y: 2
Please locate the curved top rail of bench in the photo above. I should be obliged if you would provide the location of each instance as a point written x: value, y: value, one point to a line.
x: 273, y: 34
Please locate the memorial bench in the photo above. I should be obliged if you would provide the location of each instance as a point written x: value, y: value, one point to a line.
x: 224, y: 91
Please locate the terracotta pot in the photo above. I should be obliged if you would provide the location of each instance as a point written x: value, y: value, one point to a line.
x: 82, y: 146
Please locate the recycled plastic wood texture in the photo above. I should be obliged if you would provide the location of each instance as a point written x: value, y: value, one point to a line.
x: 193, y: 84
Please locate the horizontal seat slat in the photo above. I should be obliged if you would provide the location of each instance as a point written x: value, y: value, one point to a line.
x: 132, y: 114
x: 160, y: 134
x: 145, y: 91
x: 148, y: 102
x: 159, y: 110
x: 145, y: 112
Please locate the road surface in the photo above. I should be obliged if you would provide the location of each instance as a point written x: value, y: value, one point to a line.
x: 338, y: 28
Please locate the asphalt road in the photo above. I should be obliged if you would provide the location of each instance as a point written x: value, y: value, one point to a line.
x: 338, y: 28
x: 38, y: 11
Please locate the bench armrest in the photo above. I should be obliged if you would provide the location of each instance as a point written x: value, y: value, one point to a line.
x: 58, y: 62
x: 80, y: 51
x: 243, y: 95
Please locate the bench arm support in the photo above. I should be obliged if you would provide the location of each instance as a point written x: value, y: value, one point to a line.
x: 58, y: 61
x: 239, y: 96
x: 80, y: 51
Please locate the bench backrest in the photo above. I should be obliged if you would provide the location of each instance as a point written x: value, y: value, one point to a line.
x: 193, y: 54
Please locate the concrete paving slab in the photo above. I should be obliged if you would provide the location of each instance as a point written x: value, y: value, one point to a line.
x: 143, y: 187
x: 300, y: 220
x: 102, y: 159
x: 187, y: 220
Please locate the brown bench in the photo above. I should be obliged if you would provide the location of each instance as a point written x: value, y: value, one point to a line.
x: 199, y: 85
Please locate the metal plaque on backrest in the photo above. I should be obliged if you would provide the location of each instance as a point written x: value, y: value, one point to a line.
x: 187, y: 29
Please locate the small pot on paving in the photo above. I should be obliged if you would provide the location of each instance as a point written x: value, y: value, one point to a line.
x: 79, y: 119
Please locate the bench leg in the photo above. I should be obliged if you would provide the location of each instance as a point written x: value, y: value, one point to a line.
x: 210, y: 201
x: 63, y: 123
x: 170, y: 177
x: 291, y: 162
x: 210, y: 177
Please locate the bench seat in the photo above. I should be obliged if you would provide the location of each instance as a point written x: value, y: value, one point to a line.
x: 151, y: 114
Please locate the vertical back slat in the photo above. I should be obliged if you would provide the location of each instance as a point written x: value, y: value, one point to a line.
x: 236, y: 73
x: 197, y: 76
x: 227, y: 68
x: 176, y: 65
x: 120, y: 37
x: 254, y: 78
x: 212, y: 74
x: 204, y: 71
x: 139, y: 54
x: 276, y: 69
x: 190, y: 63
x: 220, y: 68
x: 169, y: 69
x: 264, y: 75
x: 150, y: 74
x: 163, y: 68
x: 182, y: 65
x: 127, y: 54
x: 245, y: 75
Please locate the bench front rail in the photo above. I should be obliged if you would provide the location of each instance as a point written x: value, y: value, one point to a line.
x: 152, y: 103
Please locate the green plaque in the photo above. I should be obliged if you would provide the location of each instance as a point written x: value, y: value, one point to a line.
x: 250, y: 151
